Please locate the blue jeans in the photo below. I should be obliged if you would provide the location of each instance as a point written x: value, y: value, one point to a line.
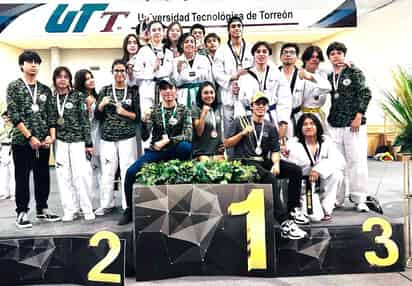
x: 182, y: 151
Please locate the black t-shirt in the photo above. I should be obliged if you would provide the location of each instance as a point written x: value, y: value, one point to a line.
x: 246, y: 147
x: 206, y: 144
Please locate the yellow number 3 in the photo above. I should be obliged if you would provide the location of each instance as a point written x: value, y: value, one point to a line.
x: 95, y: 273
x: 385, y: 239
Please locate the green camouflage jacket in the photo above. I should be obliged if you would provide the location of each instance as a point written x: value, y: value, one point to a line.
x: 19, y: 108
x: 115, y: 127
x: 352, y: 96
x: 76, y: 126
x: 181, y: 131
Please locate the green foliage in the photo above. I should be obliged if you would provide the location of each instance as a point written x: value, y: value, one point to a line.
x: 195, y: 172
x: 398, y: 106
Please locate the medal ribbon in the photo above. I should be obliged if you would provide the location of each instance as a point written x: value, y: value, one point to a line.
x: 115, y: 96
x: 335, y: 81
x: 258, y: 139
x: 32, y: 94
x: 238, y: 59
x: 164, y: 117
x: 60, y: 108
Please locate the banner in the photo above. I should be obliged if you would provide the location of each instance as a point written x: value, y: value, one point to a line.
x: 90, y: 18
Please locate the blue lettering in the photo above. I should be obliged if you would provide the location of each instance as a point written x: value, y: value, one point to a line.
x: 88, y: 10
x: 53, y: 25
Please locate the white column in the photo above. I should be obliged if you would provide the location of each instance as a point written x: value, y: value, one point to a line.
x: 54, y: 58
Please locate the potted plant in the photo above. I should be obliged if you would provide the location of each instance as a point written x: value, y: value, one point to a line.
x: 398, y: 107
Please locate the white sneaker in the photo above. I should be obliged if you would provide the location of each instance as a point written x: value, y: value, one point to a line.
x: 89, y: 216
x: 69, y: 217
x: 362, y: 207
x: 299, y: 217
x: 289, y: 229
x: 22, y: 220
x: 103, y: 211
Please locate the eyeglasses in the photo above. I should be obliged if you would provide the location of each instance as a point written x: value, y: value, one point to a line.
x: 119, y: 71
x: 286, y: 52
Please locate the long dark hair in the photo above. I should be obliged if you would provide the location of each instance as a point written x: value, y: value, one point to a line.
x: 167, y: 42
x: 199, y: 101
x: 315, y: 119
x: 80, y: 82
x: 60, y: 69
x: 126, y: 55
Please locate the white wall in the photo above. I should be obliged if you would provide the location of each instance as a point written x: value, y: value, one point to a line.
x: 10, y: 68
x: 76, y: 59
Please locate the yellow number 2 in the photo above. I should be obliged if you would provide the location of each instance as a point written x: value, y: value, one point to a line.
x: 254, y: 208
x: 95, y: 273
x: 385, y: 239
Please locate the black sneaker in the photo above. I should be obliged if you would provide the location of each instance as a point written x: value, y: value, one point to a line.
x: 126, y: 217
x: 22, y: 220
x: 48, y: 216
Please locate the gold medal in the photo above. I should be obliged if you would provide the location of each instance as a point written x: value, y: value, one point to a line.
x: 60, y: 121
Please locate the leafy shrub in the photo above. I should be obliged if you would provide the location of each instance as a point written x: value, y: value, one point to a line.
x: 195, y: 172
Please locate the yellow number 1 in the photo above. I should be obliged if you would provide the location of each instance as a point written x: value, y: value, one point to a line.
x: 254, y: 208
x: 385, y: 239
x: 95, y: 273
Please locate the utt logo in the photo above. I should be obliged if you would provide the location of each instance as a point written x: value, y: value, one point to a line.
x: 56, y: 25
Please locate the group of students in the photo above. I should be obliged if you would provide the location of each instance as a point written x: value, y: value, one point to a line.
x: 186, y: 96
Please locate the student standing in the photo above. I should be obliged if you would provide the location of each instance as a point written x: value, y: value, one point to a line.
x: 118, y: 112
x: 73, y: 147
x: 29, y: 105
x: 189, y: 71
x: 347, y: 121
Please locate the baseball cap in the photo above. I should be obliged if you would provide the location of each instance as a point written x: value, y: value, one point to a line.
x: 166, y: 83
x: 260, y: 95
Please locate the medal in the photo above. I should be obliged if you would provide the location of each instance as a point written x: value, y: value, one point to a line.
x: 258, y: 149
x: 35, y: 107
x: 172, y: 121
x: 60, y: 108
x: 117, y: 103
x: 213, y: 133
x: 335, y: 83
x: 60, y: 121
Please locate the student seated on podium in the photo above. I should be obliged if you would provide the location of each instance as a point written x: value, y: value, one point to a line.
x: 255, y: 142
x: 207, y: 125
x: 170, y: 125
x: 321, y: 161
